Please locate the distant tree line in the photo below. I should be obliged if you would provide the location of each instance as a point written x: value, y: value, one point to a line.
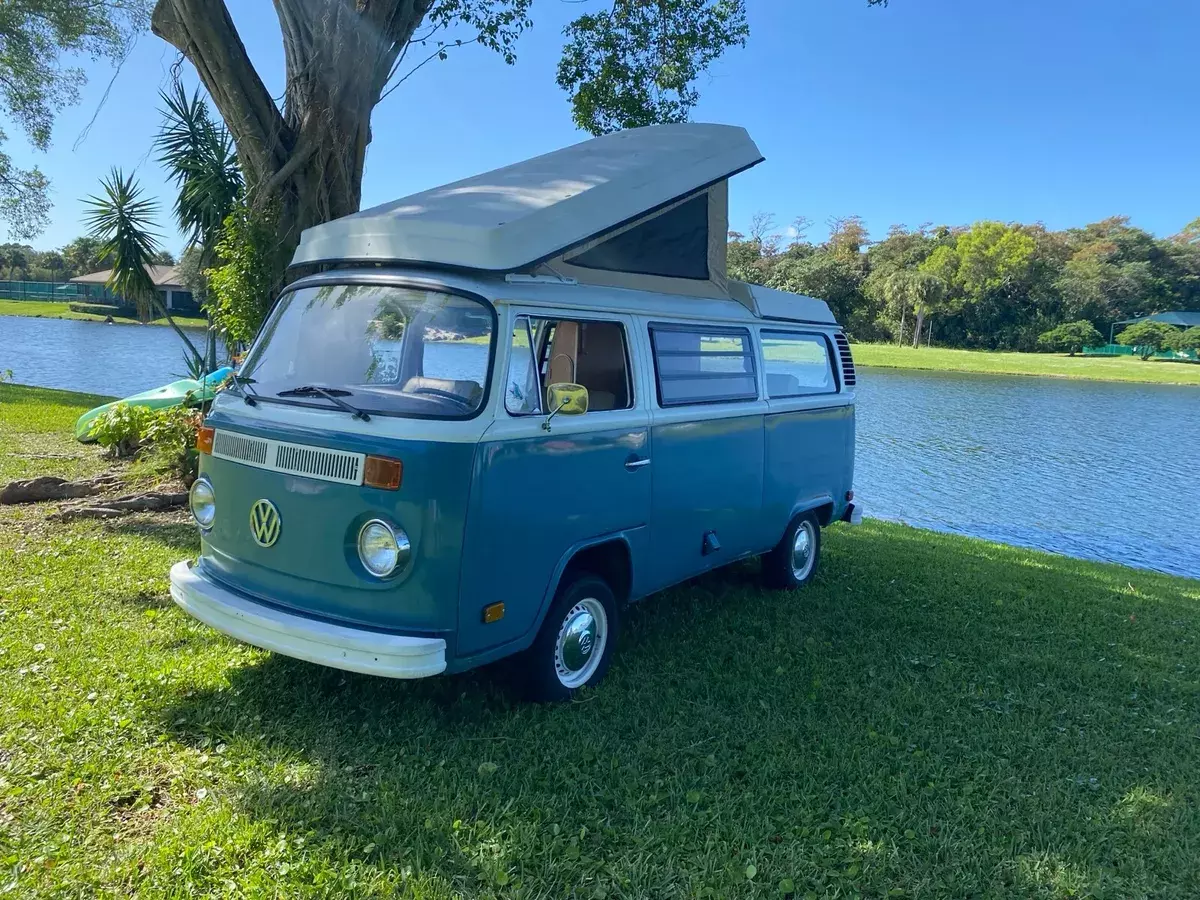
x: 991, y: 285
x: 20, y: 262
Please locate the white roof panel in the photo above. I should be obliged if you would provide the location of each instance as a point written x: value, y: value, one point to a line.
x: 530, y: 211
x: 773, y: 304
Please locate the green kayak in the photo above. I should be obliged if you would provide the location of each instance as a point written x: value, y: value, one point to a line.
x: 173, y: 394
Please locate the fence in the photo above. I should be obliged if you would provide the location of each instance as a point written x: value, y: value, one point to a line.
x: 56, y: 290
x: 1122, y: 350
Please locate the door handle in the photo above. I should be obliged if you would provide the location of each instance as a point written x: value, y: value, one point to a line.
x: 636, y: 462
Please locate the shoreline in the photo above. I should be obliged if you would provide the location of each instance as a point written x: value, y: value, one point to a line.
x: 1125, y: 370
x: 13, y: 309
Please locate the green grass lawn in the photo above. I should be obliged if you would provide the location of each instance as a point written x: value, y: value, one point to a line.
x: 54, y: 309
x: 1122, y: 368
x: 934, y: 717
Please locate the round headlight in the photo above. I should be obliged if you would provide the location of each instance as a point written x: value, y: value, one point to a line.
x: 203, y: 502
x: 382, y: 548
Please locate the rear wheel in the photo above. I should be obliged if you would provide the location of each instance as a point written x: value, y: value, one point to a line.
x: 575, y: 646
x: 793, y: 563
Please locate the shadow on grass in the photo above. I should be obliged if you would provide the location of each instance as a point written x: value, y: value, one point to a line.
x: 179, y: 536
x: 934, y: 715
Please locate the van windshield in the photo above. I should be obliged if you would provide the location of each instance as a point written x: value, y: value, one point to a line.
x: 389, y: 350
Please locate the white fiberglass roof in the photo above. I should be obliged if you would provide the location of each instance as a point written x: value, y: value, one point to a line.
x: 513, y: 217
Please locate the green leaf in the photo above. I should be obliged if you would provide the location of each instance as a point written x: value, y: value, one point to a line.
x: 751, y: 871
x: 787, y: 886
x: 636, y: 63
x: 693, y: 797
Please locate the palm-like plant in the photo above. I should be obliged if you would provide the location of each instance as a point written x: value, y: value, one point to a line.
x: 202, y: 161
x: 123, y: 220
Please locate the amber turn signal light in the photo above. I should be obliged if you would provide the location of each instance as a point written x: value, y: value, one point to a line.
x: 204, y: 439
x: 382, y: 472
x: 493, y: 612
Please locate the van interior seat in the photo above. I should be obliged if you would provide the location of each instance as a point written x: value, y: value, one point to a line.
x: 470, y: 391
x: 600, y: 366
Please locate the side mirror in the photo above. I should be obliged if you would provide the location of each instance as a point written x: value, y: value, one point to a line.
x: 568, y: 399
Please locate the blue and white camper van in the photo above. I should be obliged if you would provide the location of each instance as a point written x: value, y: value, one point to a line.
x: 511, y: 405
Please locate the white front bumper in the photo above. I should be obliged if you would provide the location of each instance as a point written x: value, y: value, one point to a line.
x: 337, y: 646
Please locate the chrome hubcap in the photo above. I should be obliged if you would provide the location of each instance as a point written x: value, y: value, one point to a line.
x: 581, y: 642
x: 802, y: 551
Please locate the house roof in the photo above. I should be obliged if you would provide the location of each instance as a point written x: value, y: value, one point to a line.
x: 162, y: 276
x: 519, y: 215
x: 1182, y: 318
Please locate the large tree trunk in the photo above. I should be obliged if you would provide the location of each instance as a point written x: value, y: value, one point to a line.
x: 920, y: 322
x: 307, y: 159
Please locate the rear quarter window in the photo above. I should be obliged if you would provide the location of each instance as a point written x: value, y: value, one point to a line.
x: 703, y: 365
x: 797, y: 365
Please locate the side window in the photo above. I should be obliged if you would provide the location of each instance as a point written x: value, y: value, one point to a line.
x: 522, y: 394
x: 797, y: 365
x: 703, y: 365
x: 549, y: 351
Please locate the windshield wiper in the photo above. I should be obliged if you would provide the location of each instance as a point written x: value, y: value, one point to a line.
x: 333, y: 395
x: 249, y: 394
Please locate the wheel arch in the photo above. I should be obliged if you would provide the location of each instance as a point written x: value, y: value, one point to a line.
x: 607, y: 556
x: 822, y: 505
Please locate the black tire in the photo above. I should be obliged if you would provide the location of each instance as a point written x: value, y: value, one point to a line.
x: 545, y: 675
x: 778, y: 567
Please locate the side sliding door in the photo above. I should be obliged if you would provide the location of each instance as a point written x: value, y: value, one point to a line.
x: 707, y: 441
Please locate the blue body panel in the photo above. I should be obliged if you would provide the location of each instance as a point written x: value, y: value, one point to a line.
x: 314, y: 567
x: 537, y: 498
x: 809, y: 463
x: 708, y: 476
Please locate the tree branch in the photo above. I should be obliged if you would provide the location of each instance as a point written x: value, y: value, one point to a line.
x: 203, y: 31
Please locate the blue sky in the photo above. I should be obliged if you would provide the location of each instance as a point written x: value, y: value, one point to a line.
x: 938, y: 111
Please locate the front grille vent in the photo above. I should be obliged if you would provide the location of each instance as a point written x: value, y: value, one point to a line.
x: 291, y: 459
x: 848, y: 377
x: 252, y: 450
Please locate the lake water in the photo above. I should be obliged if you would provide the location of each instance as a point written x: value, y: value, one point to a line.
x: 1098, y: 470
x: 116, y: 360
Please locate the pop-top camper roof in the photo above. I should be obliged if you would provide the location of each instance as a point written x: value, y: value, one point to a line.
x: 645, y: 209
x: 647, y: 201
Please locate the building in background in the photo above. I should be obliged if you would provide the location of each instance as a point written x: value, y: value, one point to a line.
x: 171, y: 292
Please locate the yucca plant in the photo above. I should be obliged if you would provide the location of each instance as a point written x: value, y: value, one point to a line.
x: 200, y: 157
x: 123, y: 220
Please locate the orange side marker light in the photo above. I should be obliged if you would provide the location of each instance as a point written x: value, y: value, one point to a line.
x: 382, y: 472
x: 204, y: 439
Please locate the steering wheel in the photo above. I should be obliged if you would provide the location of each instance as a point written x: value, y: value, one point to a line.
x: 446, y: 395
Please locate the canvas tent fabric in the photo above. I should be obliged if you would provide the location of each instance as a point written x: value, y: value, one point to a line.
x: 1181, y: 318
x: 644, y: 208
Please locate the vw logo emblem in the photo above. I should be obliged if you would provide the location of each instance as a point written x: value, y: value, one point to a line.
x: 264, y: 523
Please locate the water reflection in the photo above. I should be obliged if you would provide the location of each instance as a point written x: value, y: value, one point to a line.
x: 1097, y: 470
x: 117, y: 360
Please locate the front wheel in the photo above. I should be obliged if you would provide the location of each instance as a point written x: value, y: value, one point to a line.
x: 793, y: 563
x: 576, y: 643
